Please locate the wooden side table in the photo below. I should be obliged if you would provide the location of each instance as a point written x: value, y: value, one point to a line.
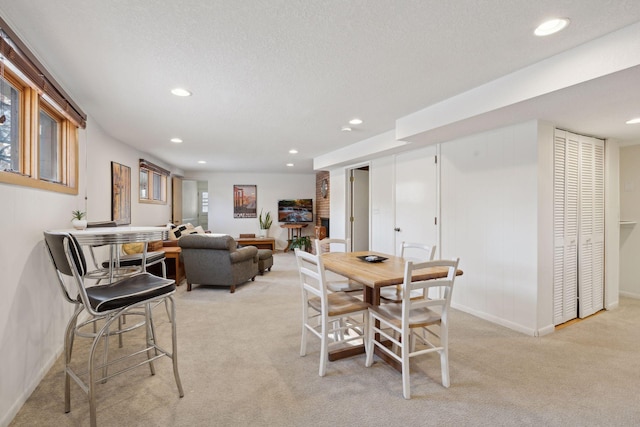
x: 293, y: 230
x: 175, y: 269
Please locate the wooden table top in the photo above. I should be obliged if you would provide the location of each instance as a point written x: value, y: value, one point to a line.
x: 376, y: 274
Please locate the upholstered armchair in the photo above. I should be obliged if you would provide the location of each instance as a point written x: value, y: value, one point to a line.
x: 216, y: 260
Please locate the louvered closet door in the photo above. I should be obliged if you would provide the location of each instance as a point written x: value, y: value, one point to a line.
x: 591, y: 238
x: 565, y: 227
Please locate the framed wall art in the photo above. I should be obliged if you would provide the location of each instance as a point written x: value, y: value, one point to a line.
x: 120, y: 193
x: 244, y: 201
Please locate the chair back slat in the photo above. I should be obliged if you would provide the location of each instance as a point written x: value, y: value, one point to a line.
x: 417, y: 252
x: 58, y: 251
x: 324, y: 245
x: 444, y: 286
x: 312, y: 275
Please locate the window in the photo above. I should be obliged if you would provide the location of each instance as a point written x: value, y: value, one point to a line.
x: 153, y: 183
x: 9, y: 126
x: 39, y: 153
x: 38, y: 122
x: 205, y: 202
x: 49, y: 147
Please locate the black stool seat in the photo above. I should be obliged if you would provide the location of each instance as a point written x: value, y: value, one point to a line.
x: 136, y: 259
x: 125, y: 292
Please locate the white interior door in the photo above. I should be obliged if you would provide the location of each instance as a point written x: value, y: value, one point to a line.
x: 359, y: 209
x: 416, y: 193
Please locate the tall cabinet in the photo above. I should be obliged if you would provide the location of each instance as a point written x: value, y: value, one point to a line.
x: 578, y: 226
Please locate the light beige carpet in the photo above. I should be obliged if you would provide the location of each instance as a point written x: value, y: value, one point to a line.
x: 240, y: 366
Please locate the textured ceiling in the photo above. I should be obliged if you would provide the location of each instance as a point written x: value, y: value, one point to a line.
x: 271, y: 75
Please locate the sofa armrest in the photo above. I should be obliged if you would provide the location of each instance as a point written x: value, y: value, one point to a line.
x: 243, y: 254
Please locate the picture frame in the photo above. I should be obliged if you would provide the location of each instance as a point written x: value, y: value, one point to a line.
x: 245, y: 201
x: 120, y: 193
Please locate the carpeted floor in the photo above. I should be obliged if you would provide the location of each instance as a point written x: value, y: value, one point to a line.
x: 240, y: 366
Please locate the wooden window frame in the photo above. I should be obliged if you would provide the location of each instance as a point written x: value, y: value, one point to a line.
x: 31, y: 101
x: 157, y: 178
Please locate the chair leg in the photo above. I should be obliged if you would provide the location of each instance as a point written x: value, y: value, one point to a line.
x: 368, y: 348
x: 444, y: 356
x: 174, y: 346
x: 303, y: 341
x: 69, y: 336
x: 324, y: 348
x: 405, y: 348
x: 103, y: 332
x: 150, y: 332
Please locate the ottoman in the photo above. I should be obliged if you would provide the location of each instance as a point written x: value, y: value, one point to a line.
x: 265, y: 260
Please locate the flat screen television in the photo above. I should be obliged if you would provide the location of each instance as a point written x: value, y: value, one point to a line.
x: 295, y: 210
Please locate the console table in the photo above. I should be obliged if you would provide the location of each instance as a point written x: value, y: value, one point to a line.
x: 258, y: 242
x: 293, y: 230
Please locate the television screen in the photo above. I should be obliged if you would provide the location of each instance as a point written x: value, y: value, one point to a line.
x: 295, y: 210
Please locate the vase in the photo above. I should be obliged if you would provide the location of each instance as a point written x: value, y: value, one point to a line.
x: 79, y: 224
x: 262, y: 233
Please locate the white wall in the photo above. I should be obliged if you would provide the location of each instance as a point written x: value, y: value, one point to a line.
x: 270, y: 188
x: 489, y: 220
x: 630, y: 211
x: 33, y: 314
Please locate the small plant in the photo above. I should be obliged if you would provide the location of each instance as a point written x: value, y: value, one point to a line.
x: 302, y: 242
x: 78, y: 214
x: 265, y: 222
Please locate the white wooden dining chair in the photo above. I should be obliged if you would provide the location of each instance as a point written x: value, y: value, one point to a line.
x: 417, y: 252
x: 410, y: 325
x: 336, y: 318
x: 337, y: 245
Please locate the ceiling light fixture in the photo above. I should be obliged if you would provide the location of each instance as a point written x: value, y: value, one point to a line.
x: 290, y: 165
x: 345, y: 129
x: 355, y: 121
x: 293, y: 151
x: 633, y: 121
x: 176, y: 140
x: 551, y: 26
x: 202, y: 162
x: 180, y: 92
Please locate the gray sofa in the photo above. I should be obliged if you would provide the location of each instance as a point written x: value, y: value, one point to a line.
x: 216, y: 260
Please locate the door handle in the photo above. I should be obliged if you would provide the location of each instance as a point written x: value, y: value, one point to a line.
x: 397, y: 229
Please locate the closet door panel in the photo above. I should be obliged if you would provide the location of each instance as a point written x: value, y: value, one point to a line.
x: 565, y: 225
x: 591, y: 239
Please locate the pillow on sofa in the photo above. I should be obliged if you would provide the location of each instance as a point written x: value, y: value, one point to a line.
x: 184, y: 229
x: 180, y: 230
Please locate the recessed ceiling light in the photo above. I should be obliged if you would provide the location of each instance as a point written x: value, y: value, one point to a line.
x: 551, y: 26
x: 202, y: 162
x: 290, y: 165
x: 176, y: 140
x: 355, y: 121
x: 345, y: 129
x: 180, y: 92
x: 633, y: 121
x: 293, y: 151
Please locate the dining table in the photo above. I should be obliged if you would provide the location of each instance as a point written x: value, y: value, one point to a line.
x: 383, y: 270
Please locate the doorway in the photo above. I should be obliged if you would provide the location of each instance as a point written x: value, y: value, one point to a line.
x: 358, y: 212
x: 191, y: 204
